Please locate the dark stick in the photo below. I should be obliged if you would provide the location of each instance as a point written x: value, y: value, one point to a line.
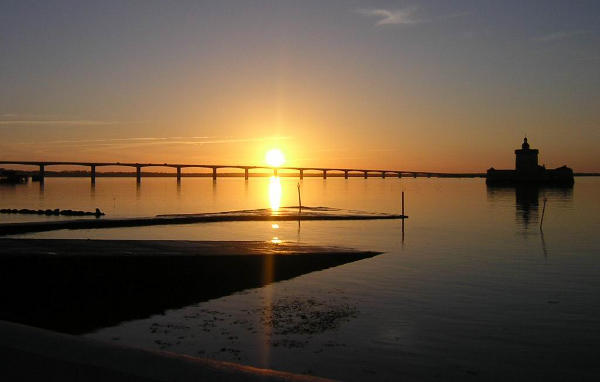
x: 402, y: 203
x: 299, y: 200
x: 543, y: 211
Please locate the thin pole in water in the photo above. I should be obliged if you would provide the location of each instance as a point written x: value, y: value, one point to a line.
x: 402, y: 218
x: 299, y: 199
x: 543, y: 211
x: 402, y: 203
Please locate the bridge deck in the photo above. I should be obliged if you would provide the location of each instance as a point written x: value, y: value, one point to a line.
x: 179, y: 166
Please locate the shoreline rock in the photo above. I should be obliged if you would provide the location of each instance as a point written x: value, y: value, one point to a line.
x: 49, y: 212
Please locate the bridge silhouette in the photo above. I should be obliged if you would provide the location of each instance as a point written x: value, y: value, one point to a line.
x: 215, y: 167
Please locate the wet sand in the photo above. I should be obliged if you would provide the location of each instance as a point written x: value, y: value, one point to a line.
x: 76, y: 286
x: 40, y: 355
x: 284, y: 214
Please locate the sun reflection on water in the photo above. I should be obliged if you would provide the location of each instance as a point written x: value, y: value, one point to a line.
x: 275, y: 193
x: 268, y: 267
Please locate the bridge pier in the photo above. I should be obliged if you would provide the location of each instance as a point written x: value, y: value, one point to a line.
x: 345, y: 174
x: 138, y: 174
x: 93, y: 174
x: 301, y: 174
x: 214, y: 173
x: 366, y: 174
x: 383, y: 175
x: 246, y: 175
x: 324, y: 174
x: 42, y: 172
x: 178, y: 174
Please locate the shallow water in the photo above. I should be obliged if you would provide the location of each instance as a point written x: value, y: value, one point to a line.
x: 468, y: 287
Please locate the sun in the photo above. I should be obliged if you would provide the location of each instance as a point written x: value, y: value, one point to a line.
x: 275, y: 158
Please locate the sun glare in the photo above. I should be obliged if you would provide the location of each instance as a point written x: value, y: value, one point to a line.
x: 275, y: 193
x: 275, y: 158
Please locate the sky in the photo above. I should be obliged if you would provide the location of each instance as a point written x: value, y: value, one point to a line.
x: 433, y: 85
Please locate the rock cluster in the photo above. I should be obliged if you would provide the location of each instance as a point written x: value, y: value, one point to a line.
x: 49, y: 212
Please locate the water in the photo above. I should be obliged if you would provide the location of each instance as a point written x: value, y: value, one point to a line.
x: 469, y: 287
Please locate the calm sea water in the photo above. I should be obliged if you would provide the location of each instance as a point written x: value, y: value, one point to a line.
x: 469, y: 288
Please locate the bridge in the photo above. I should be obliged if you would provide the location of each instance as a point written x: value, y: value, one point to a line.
x: 138, y: 167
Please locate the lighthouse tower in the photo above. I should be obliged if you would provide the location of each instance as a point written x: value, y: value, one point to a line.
x: 526, y: 162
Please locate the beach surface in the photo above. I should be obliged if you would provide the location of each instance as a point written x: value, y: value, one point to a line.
x: 293, y: 213
x: 42, y: 355
x: 77, y: 286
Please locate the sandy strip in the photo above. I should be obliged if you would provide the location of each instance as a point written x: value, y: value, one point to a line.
x: 232, y: 216
x: 32, y: 354
x: 156, y: 248
x: 76, y: 286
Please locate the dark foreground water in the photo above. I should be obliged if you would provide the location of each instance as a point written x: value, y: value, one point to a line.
x: 469, y: 289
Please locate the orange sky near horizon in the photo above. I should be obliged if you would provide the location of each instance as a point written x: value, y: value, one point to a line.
x: 416, y: 149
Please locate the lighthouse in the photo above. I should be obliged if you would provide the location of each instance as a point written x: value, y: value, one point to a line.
x: 526, y: 161
x: 527, y: 171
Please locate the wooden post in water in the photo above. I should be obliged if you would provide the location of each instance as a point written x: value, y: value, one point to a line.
x: 299, y: 199
x: 403, y: 204
x: 543, y: 211
x: 403, y: 218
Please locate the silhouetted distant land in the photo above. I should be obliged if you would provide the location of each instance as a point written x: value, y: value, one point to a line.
x: 527, y: 171
x: 12, y: 177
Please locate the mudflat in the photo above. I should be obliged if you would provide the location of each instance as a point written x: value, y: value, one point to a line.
x: 284, y: 214
x: 177, y: 248
x: 77, y: 286
x: 32, y: 354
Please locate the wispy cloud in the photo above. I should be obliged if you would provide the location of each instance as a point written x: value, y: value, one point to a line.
x: 11, y: 119
x: 454, y: 15
x: 392, y: 17
x: 122, y: 143
x: 132, y: 139
x: 557, y: 36
x: 63, y: 122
